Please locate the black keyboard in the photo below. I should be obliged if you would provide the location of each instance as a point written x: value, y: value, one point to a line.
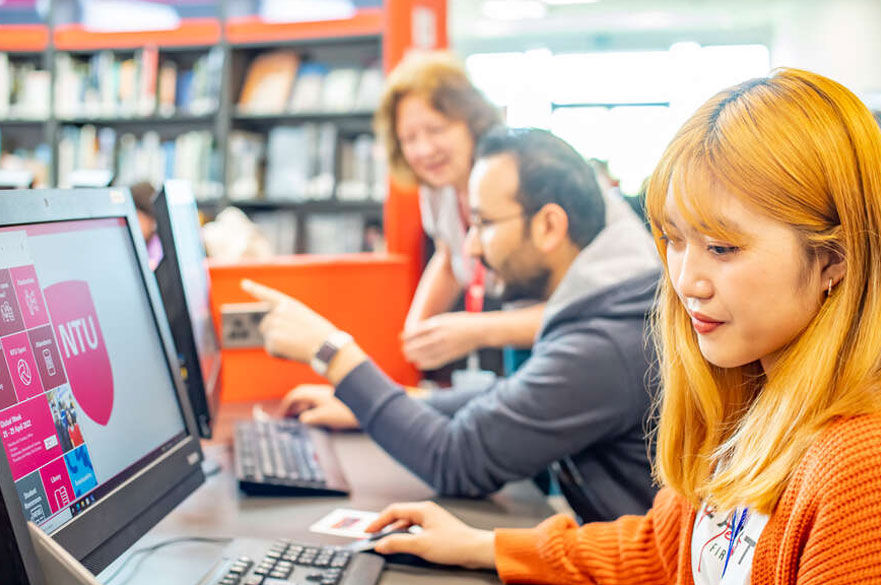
x: 284, y: 457
x: 260, y: 562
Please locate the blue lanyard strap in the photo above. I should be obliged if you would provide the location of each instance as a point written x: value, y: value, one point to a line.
x: 736, y: 530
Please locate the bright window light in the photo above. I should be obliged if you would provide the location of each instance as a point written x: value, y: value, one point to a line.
x: 514, y: 9
x: 623, y: 107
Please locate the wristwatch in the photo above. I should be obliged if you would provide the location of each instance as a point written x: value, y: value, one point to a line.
x: 328, y: 350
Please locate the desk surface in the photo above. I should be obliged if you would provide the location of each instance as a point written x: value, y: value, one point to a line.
x: 218, y: 509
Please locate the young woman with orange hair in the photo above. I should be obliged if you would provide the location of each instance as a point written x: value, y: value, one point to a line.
x: 766, y: 210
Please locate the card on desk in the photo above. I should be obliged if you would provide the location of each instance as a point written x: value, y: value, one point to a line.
x: 345, y: 522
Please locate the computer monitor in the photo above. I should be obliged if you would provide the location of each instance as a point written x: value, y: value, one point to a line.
x: 184, y: 282
x: 98, y: 439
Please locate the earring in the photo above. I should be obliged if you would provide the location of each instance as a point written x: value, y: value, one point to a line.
x: 829, y: 290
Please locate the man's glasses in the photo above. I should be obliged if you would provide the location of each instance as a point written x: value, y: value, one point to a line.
x: 480, y: 223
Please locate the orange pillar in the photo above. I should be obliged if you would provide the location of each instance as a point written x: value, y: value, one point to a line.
x: 410, y: 24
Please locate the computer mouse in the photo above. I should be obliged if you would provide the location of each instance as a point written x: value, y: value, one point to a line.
x: 409, y: 560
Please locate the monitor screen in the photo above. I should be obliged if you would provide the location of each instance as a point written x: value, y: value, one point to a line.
x: 182, y: 274
x: 89, y: 405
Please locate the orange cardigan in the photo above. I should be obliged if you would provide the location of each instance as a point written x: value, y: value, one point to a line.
x: 825, y: 530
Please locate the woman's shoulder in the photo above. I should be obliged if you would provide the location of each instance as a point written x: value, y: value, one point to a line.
x: 856, y: 435
x: 845, y: 456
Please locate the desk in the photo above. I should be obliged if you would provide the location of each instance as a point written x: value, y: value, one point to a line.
x: 218, y: 509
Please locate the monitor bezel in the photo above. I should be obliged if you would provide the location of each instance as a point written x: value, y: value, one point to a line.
x: 138, y: 503
x: 204, y: 394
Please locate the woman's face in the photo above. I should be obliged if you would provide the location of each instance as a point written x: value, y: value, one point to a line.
x: 439, y: 150
x: 746, y: 301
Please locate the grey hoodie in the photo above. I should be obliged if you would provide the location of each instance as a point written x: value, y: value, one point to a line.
x: 579, y: 402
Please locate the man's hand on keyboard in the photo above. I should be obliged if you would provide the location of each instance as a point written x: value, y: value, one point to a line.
x: 316, y: 405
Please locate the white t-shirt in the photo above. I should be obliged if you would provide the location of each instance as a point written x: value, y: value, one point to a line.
x: 709, y: 546
x: 442, y: 220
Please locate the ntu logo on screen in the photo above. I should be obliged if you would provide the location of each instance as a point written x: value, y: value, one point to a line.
x: 82, y: 347
x: 78, y: 336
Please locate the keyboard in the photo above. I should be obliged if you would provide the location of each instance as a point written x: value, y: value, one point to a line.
x: 284, y: 457
x: 284, y: 562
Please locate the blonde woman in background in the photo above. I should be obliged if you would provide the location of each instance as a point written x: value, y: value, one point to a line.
x: 766, y: 211
x: 430, y: 119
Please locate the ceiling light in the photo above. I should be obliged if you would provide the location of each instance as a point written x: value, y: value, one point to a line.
x: 514, y: 9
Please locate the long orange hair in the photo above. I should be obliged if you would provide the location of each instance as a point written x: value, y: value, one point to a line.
x: 804, y: 150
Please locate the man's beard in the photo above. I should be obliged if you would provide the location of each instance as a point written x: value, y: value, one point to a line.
x: 515, y: 287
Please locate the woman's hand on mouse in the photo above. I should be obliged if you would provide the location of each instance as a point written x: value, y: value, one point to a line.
x: 444, y: 538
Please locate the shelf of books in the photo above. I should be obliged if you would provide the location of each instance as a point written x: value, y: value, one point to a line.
x: 271, y: 115
x: 25, y: 83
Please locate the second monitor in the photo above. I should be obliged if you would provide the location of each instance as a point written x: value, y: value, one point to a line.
x: 184, y: 283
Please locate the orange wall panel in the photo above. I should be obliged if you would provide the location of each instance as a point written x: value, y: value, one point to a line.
x: 364, y: 294
x: 24, y: 37
x: 191, y: 32
x: 252, y: 29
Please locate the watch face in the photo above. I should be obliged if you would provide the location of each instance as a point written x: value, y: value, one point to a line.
x: 321, y: 360
x: 326, y: 352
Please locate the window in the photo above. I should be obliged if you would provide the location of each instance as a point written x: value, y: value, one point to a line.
x: 622, y: 107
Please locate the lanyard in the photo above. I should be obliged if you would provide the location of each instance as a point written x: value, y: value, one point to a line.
x: 737, y: 528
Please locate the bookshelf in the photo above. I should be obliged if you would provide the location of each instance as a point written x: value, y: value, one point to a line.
x: 375, y: 37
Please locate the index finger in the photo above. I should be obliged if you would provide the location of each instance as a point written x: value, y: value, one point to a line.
x: 410, y: 513
x: 263, y: 292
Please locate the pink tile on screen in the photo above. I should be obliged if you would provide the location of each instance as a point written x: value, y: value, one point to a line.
x: 10, y: 315
x: 30, y: 298
x: 47, y: 357
x: 22, y: 366
x: 7, y: 391
x: 56, y: 482
x: 81, y: 345
x: 29, y: 438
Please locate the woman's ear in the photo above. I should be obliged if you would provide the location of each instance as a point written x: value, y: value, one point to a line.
x: 833, y: 268
x: 549, y: 227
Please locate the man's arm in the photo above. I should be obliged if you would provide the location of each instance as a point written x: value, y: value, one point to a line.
x: 449, y: 401
x: 517, y: 327
x: 443, y: 338
x: 567, y: 396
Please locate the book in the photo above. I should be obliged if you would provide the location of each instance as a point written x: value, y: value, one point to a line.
x: 334, y: 233
x: 147, y: 83
x: 307, y: 92
x: 340, y: 89
x: 243, y: 171
x: 289, y: 154
x: 24, y: 90
x: 268, y: 83
x: 5, y: 86
x: 279, y: 227
x: 370, y: 89
x: 205, y: 84
x: 167, y: 89
x: 84, y: 148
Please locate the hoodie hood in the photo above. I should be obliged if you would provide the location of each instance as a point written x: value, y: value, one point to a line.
x: 621, y: 251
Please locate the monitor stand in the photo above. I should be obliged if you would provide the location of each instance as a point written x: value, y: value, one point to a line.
x: 59, y: 568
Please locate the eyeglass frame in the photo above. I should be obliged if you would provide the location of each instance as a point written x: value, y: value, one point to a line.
x: 483, y: 223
